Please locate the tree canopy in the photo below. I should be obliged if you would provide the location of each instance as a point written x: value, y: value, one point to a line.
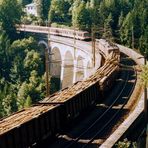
x: 10, y: 15
x: 21, y: 74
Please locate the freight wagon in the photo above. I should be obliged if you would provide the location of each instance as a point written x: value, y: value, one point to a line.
x: 45, y: 119
x: 30, y: 126
x: 76, y: 100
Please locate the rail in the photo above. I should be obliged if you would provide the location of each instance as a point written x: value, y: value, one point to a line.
x: 114, y: 116
x: 87, y: 131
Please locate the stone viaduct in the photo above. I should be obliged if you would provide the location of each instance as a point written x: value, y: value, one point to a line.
x: 70, y: 60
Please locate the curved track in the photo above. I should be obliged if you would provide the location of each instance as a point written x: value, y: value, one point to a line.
x: 92, y: 134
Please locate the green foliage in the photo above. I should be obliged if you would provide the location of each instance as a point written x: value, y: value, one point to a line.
x: 39, y: 7
x: 27, y: 68
x: 35, y: 89
x: 93, y: 9
x: 81, y: 16
x: 10, y: 15
x: 144, y: 75
x: 46, y: 6
x: 42, y: 8
x: 4, y: 55
x: 121, y: 19
x: 30, y: 19
x: 33, y: 61
x: 135, y: 25
x: 126, y: 144
x: 125, y: 30
x: 19, y: 55
x: 28, y: 102
x: 8, y: 102
x: 59, y: 11
x: 143, y: 41
x: 20, y: 46
x: 107, y: 28
x: 24, y: 83
x: 22, y: 95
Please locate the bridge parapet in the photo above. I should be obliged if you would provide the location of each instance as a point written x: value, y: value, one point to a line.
x: 137, y: 57
x: 74, y: 60
x: 132, y: 120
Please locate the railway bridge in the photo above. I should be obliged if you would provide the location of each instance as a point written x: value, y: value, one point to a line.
x: 29, y: 127
x: 70, y: 60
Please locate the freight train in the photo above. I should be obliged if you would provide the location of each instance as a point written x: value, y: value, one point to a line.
x: 107, y: 47
x: 30, y: 126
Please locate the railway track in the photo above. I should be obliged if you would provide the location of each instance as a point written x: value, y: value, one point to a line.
x: 108, y: 124
x: 89, y: 136
x: 50, y: 115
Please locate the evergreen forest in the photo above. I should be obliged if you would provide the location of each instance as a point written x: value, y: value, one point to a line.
x: 22, y: 61
x: 123, y: 21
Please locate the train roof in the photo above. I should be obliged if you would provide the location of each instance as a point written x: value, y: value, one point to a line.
x: 108, y: 45
x: 23, y: 116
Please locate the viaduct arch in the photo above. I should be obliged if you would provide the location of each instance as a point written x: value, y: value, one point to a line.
x: 68, y: 65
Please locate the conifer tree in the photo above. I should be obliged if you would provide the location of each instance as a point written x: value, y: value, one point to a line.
x: 4, y: 55
x: 10, y: 15
x: 59, y: 11
x: 28, y: 102
x: 81, y: 16
x: 107, y: 29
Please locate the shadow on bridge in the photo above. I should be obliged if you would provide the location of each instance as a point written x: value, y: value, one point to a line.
x: 120, y: 91
x: 76, y: 128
